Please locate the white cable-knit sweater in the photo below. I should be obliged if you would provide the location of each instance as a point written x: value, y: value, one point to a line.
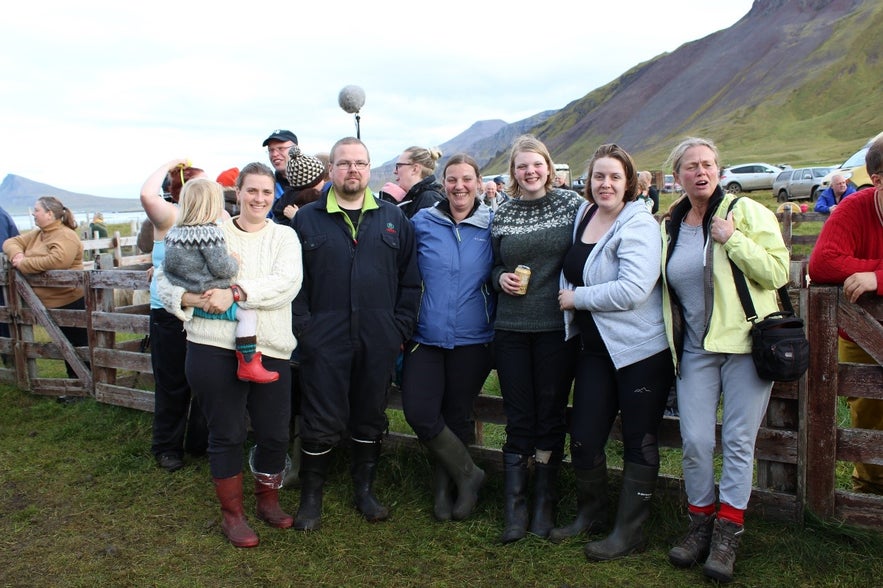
x: 270, y: 273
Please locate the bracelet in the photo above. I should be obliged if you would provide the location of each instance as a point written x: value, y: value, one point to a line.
x: 237, y: 295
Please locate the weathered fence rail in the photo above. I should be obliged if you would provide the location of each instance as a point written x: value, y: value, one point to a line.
x: 798, y: 447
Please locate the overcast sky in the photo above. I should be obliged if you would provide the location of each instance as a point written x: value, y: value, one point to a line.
x: 98, y: 94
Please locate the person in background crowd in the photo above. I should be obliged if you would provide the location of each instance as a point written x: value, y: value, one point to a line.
x: 449, y: 357
x: 8, y: 229
x: 97, y: 226
x: 170, y: 189
x: 269, y: 277
x: 178, y: 423
x: 306, y: 178
x: 391, y: 192
x: 414, y: 173
x: 612, y: 299
x: 227, y: 180
x: 711, y: 344
x: 534, y: 362
x: 501, y: 193
x: 278, y: 144
x: 849, y: 251
x: 647, y: 192
x: 358, y: 305
x: 53, y: 245
x: 492, y: 197
x: 831, y: 196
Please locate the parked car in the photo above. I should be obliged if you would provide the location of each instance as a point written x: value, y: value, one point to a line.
x: 669, y: 185
x: 749, y: 176
x: 579, y: 184
x: 800, y: 183
x: 853, y: 169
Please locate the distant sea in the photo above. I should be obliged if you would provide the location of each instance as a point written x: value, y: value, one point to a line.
x: 25, y: 222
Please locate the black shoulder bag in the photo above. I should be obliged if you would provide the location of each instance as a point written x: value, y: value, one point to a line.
x: 778, y: 342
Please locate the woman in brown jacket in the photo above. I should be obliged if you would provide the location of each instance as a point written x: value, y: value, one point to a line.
x: 53, y: 245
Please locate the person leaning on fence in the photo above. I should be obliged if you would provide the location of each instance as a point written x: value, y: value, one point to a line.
x: 534, y: 361
x: 178, y: 423
x: 269, y: 277
x: 711, y: 345
x: 448, y: 358
x: 53, y: 245
x: 849, y: 251
x: 612, y: 300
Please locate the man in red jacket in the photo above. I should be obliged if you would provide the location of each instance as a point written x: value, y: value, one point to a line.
x: 849, y: 251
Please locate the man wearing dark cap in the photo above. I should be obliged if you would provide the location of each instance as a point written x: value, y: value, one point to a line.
x: 278, y: 144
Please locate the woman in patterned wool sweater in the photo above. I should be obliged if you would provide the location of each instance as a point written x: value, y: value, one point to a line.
x: 197, y: 260
x: 534, y: 363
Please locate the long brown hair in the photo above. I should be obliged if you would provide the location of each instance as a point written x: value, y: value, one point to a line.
x: 58, y: 210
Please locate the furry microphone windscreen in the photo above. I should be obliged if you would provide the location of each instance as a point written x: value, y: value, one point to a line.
x: 351, y: 99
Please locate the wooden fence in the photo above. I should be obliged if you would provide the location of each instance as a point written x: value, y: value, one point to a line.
x: 798, y: 447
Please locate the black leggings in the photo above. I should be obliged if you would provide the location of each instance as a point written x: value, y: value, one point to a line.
x: 637, y: 391
x: 439, y: 387
x: 78, y: 336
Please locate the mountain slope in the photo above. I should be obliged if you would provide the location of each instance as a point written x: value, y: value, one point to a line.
x: 792, y: 81
x: 18, y: 194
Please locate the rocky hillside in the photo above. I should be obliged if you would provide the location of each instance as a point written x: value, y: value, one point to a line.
x: 793, y: 81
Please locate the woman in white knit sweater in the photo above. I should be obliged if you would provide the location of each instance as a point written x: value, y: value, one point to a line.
x: 269, y: 277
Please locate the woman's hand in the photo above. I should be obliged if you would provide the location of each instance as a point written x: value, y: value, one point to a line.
x: 722, y: 228
x: 217, y: 300
x: 565, y: 299
x: 289, y: 211
x: 510, y: 283
x: 16, y: 259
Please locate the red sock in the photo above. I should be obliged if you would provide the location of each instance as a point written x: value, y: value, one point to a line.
x: 703, y: 510
x: 732, y: 514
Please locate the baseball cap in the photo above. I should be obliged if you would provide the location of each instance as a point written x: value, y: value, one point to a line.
x: 281, y: 135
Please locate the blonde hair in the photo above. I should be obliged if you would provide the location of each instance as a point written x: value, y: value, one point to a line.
x: 677, y: 154
x: 529, y: 144
x: 201, y: 202
x: 425, y: 158
x: 645, y: 178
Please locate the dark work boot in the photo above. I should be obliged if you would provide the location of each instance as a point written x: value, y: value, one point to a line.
x: 693, y: 548
x: 591, y: 504
x: 450, y: 451
x: 234, y: 523
x: 363, y: 470
x: 545, y: 496
x: 722, y: 555
x: 514, y: 497
x: 313, y: 471
x: 442, y: 500
x: 638, y: 483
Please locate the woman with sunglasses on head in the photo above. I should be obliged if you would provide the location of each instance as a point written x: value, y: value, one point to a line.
x: 534, y: 361
x: 414, y: 173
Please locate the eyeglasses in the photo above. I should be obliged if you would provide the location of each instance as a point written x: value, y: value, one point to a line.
x: 359, y: 165
x: 274, y: 150
x: 398, y: 165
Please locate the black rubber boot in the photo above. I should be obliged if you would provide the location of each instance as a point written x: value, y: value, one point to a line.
x: 364, y: 468
x: 545, y: 496
x: 514, y: 497
x: 591, y: 504
x: 313, y: 471
x: 442, y: 499
x: 638, y: 484
x: 450, y: 451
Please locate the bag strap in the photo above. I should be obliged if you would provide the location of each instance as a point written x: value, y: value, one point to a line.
x: 742, y: 285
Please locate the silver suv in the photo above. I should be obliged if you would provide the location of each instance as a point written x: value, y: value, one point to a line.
x: 749, y: 176
x: 794, y: 184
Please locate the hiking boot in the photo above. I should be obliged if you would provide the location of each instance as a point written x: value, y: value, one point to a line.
x: 722, y: 555
x: 693, y: 547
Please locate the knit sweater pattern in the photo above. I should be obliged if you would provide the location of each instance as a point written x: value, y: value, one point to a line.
x: 197, y: 259
x: 536, y: 233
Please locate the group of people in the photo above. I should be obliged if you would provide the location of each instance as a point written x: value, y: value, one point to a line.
x: 556, y: 291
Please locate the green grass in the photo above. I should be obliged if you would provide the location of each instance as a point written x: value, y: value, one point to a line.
x: 83, y: 505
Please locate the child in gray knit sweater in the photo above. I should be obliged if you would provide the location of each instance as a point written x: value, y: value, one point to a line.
x: 197, y: 260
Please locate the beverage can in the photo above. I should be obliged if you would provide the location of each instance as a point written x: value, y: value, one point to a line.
x: 523, y: 272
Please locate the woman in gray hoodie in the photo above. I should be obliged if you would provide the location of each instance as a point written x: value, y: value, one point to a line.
x: 610, y: 292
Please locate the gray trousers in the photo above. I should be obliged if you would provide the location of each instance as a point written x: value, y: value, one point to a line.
x: 707, y: 379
